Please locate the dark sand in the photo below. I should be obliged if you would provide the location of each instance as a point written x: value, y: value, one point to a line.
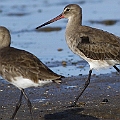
x: 57, y: 97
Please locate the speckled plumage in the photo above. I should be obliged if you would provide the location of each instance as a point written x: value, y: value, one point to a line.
x: 89, y: 43
x: 99, y: 48
x: 15, y: 62
x: 22, y: 68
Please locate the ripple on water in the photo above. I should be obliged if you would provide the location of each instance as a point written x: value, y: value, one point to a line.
x: 104, y: 22
x: 49, y: 29
x: 17, y: 14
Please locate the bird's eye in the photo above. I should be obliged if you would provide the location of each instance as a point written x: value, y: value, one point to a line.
x: 67, y: 9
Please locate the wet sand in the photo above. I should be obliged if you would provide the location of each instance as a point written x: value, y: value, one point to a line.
x: 50, y: 102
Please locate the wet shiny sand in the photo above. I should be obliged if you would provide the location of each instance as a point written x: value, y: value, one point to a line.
x: 50, y: 102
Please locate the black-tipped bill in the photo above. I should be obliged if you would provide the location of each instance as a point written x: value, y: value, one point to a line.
x: 51, y: 21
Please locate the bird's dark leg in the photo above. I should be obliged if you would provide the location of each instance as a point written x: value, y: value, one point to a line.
x: 85, y: 86
x: 29, y: 104
x: 17, y: 105
x: 116, y: 68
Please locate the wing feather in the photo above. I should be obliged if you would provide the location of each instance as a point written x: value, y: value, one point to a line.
x: 100, y: 51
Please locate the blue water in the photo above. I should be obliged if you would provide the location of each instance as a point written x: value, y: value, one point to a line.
x: 22, y: 17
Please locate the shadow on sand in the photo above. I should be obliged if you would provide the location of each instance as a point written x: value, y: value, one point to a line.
x: 69, y: 114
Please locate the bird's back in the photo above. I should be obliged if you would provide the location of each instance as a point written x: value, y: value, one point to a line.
x: 98, y: 35
x: 15, y: 62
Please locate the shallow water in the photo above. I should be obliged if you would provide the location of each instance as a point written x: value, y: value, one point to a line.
x: 22, y: 17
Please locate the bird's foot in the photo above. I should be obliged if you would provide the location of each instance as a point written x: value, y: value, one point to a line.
x: 73, y: 105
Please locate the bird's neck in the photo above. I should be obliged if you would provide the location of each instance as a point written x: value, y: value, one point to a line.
x: 74, y: 22
x: 72, y: 30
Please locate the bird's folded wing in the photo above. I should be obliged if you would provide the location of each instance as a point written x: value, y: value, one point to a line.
x: 100, y: 51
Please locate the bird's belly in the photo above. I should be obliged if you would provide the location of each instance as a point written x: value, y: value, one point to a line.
x: 98, y: 64
x: 101, y: 64
x: 23, y: 83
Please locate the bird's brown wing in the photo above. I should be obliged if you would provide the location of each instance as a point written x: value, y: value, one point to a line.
x: 98, y: 50
x: 99, y: 45
x: 22, y: 63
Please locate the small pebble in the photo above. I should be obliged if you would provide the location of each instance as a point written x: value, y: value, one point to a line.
x: 105, y: 101
x: 64, y: 63
x: 60, y: 49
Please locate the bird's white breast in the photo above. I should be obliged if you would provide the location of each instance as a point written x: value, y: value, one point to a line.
x: 101, y: 64
x: 23, y: 83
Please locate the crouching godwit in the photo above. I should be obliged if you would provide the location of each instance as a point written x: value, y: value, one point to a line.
x: 22, y: 69
x: 99, y: 48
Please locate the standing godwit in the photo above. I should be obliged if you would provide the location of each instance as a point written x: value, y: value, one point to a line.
x: 99, y: 48
x: 22, y: 68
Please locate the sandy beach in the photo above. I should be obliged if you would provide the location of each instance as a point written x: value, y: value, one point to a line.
x: 51, y: 102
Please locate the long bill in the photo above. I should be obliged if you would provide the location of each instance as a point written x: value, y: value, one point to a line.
x: 51, y: 21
